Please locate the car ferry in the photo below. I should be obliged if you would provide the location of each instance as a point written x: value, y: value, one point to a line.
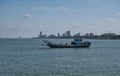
x: 76, y: 43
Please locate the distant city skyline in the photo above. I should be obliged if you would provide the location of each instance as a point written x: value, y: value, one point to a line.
x: 68, y: 35
x: 26, y: 18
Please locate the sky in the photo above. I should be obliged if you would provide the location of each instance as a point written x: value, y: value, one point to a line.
x: 26, y: 18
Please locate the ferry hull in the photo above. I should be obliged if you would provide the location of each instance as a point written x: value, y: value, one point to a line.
x: 65, y: 46
x: 69, y: 46
x: 83, y: 45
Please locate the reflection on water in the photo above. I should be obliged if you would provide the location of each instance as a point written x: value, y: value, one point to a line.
x: 26, y: 57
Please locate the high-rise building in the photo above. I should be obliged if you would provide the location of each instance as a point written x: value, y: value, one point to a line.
x: 87, y: 34
x: 78, y: 34
x: 58, y: 34
x: 40, y: 34
x: 91, y: 34
x: 68, y: 34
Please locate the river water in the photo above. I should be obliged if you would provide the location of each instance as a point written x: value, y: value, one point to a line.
x: 28, y: 57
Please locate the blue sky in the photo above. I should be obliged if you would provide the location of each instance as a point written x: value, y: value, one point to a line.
x: 27, y: 17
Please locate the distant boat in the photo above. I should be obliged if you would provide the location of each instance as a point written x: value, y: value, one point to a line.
x: 77, y: 43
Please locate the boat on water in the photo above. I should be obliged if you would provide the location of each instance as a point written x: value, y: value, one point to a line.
x: 76, y: 43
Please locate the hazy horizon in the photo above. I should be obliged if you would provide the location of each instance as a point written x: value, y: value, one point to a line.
x: 26, y: 18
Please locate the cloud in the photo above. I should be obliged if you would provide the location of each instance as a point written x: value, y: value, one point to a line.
x: 110, y: 19
x: 118, y: 13
x: 63, y: 8
x: 27, y: 16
